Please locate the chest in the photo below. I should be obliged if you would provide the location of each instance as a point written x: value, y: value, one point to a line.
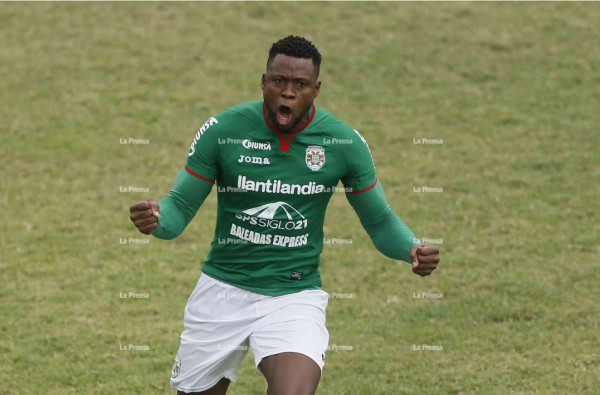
x: 306, y: 159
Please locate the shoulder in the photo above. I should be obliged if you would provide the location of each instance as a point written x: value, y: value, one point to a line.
x: 234, y: 118
x: 241, y: 113
x: 325, y: 119
x: 250, y: 111
x: 339, y: 133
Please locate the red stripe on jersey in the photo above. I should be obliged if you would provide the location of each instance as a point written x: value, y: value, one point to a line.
x: 366, y: 189
x: 284, y: 143
x: 198, y: 175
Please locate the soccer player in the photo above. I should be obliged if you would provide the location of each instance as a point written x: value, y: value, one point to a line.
x: 276, y: 163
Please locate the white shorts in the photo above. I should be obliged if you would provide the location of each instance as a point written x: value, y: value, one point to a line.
x: 222, y: 321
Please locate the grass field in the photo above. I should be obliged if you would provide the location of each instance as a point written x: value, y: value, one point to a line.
x: 511, y: 89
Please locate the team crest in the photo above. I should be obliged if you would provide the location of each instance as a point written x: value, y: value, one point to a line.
x: 315, y: 157
x: 176, y: 367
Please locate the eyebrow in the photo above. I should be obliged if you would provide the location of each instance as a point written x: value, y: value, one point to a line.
x: 297, y: 79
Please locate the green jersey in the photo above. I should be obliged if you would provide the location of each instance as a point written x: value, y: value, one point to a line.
x: 273, y: 190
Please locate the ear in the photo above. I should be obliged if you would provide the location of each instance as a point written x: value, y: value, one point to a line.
x: 317, y: 88
x: 262, y: 82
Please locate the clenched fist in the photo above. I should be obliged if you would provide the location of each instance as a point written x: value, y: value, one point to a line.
x: 144, y: 216
x: 425, y: 259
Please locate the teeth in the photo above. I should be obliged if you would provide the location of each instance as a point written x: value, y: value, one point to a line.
x: 285, y: 112
x: 284, y: 115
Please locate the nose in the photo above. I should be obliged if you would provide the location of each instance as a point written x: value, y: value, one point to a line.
x: 288, y: 91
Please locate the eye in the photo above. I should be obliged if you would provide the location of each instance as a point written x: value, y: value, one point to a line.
x: 301, y: 84
x: 278, y: 81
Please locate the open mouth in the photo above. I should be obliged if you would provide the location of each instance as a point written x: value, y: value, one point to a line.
x: 284, y: 115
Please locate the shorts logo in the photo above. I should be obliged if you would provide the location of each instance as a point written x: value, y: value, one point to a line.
x: 315, y: 157
x: 176, y: 367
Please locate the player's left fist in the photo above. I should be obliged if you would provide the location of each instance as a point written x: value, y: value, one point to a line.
x: 424, y: 259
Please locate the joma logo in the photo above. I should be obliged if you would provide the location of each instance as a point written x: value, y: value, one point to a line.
x: 254, y: 159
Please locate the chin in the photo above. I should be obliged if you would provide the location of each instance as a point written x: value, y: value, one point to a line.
x: 286, y: 129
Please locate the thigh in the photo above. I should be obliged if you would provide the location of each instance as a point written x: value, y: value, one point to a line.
x: 289, y: 342
x: 290, y: 373
x: 217, y: 324
x: 219, y: 389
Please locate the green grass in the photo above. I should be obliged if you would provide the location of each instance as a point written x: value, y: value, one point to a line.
x: 511, y: 88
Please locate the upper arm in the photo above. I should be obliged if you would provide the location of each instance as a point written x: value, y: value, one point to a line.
x: 359, y: 176
x: 203, y: 154
x: 365, y: 193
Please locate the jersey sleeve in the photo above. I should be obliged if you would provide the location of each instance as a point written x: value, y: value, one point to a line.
x: 203, y: 154
x: 360, y: 171
x: 181, y: 204
x: 388, y: 233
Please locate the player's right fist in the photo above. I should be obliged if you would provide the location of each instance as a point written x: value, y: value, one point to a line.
x: 144, y: 216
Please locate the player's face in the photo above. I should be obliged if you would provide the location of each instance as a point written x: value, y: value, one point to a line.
x: 289, y: 87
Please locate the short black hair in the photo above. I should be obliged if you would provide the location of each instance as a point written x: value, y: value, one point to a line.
x: 298, y: 47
